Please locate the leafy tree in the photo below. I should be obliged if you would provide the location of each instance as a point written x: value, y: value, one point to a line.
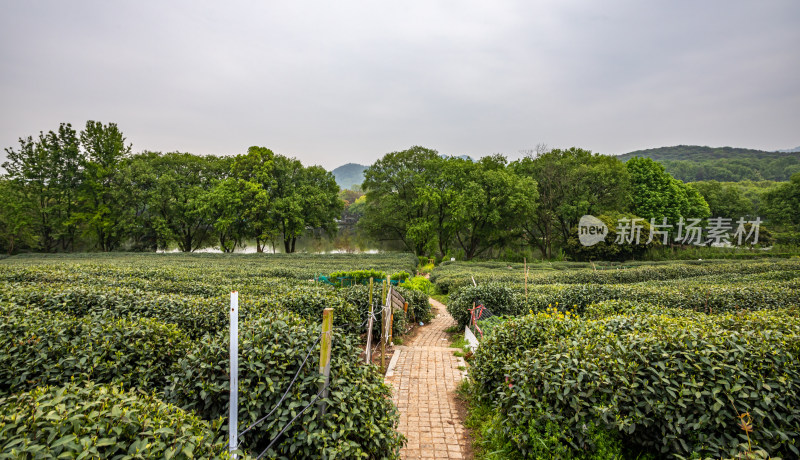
x: 571, y: 183
x: 16, y: 219
x: 656, y: 194
x: 491, y: 205
x: 782, y: 203
x: 35, y: 168
x: 176, y: 201
x: 257, y: 167
x: 64, y: 149
x: 438, y: 193
x: 104, y: 147
x: 724, y: 200
x: 136, y: 178
x: 233, y: 205
x: 395, y: 209
x: 302, y: 198
x: 321, y: 202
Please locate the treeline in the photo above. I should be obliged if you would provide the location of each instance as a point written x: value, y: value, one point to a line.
x: 691, y: 163
x: 66, y: 190
x: 453, y: 207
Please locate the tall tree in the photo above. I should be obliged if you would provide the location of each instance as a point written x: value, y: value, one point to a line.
x: 656, y: 194
x: 571, y: 183
x: 64, y: 149
x: 104, y: 147
x: 782, y: 203
x: 16, y: 219
x: 176, y: 201
x: 257, y: 167
x: 395, y: 209
x: 491, y: 206
x: 35, y: 169
x: 321, y: 202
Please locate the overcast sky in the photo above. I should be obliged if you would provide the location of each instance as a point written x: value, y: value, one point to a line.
x: 344, y: 81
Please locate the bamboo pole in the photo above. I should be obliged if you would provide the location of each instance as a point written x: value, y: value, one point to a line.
x: 325, y: 350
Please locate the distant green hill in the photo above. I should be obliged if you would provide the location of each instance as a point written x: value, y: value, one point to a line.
x: 349, y: 175
x: 691, y: 163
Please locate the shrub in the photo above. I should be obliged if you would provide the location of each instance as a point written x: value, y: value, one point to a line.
x: 419, y: 283
x: 419, y: 307
x: 509, y: 341
x: 675, y: 386
x: 357, y: 276
x: 499, y: 299
x: 99, y: 421
x: 358, y: 410
x: 194, y: 315
x: 51, y: 348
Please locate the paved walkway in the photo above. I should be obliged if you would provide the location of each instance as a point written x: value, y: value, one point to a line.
x: 424, y: 379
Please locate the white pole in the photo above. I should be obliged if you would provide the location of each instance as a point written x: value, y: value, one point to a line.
x: 233, y: 422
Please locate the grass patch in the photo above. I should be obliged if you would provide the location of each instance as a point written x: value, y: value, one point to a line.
x: 458, y: 341
x: 492, y: 439
x: 443, y: 298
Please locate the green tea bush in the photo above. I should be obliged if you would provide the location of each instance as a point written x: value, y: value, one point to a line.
x: 499, y: 299
x: 195, y: 315
x: 689, y: 295
x: 419, y: 283
x: 672, y: 385
x: 102, y: 421
x: 454, y: 276
x: 357, y: 276
x: 50, y: 348
x: 509, y: 341
x: 419, y: 307
x: 359, y: 297
x: 359, y: 421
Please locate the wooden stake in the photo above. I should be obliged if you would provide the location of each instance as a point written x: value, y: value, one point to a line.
x: 369, y: 323
x: 325, y: 353
x: 525, y: 260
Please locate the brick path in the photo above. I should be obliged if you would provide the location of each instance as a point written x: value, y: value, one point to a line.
x: 424, y: 381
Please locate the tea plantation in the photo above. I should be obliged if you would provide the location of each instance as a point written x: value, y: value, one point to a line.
x: 686, y: 360
x: 126, y: 356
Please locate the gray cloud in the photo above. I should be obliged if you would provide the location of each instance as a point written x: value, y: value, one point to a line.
x: 347, y: 81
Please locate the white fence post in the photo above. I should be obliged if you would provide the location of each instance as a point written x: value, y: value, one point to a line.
x: 233, y: 421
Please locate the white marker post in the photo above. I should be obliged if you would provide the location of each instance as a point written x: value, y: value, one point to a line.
x: 233, y: 422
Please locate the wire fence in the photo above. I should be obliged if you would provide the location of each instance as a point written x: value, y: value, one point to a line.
x: 375, y: 313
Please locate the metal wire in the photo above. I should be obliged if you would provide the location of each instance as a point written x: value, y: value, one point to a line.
x: 291, y: 384
x: 275, y: 439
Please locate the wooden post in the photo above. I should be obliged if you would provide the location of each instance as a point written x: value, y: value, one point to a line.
x: 369, y: 324
x: 325, y: 353
x: 383, y: 340
x: 233, y: 414
x: 370, y: 292
x: 391, y: 325
x: 525, y: 260
x: 387, y: 311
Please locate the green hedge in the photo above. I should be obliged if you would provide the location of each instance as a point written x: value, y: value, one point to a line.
x: 360, y: 419
x: 671, y: 385
x: 358, y: 295
x: 755, y: 295
x: 195, y: 315
x: 50, y: 348
x: 498, y: 298
x: 453, y: 277
x: 419, y: 307
x: 99, y: 421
